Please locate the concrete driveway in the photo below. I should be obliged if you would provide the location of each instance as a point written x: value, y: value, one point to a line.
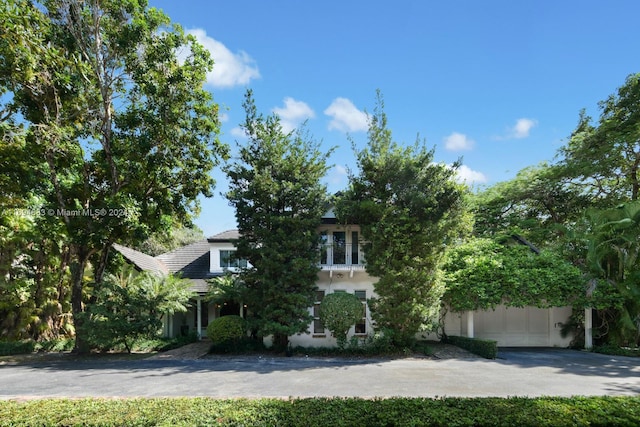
x: 517, y: 372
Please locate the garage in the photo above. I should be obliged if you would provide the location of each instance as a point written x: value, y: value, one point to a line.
x: 522, y: 327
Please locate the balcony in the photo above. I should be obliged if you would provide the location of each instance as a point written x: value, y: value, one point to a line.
x: 341, y: 257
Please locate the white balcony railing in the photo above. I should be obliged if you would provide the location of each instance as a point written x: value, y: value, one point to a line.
x: 341, y: 256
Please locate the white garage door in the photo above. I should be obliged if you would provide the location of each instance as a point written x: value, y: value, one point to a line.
x: 522, y: 327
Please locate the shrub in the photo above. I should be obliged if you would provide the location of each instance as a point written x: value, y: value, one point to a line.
x: 338, y: 312
x: 8, y: 348
x: 484, y: 348
x: 60, y: 344
x: 226, y: 329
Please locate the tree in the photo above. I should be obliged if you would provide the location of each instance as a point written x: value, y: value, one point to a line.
x: 127, y: 133
x: 603, y: 159
x: 535, y: 204
x: 164, y: 240
x: 614, y: 261
x: 131, y: 306
x: 279, y: 201
x: 408, y: 207
x: 339, y: 311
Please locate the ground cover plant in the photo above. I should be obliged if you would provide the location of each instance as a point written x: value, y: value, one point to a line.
x: 617, y: 351
x: 543, y: 411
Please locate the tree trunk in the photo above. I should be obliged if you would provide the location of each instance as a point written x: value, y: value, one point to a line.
x: 78, y: 266
x: 281, y: 342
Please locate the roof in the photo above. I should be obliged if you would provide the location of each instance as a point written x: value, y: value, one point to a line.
x: 193, y: 260
x: 142, y: 261
x: 225, y: 236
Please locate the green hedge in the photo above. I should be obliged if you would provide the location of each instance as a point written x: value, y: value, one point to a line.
x: 8, y: 348
x: 484, y: 348
x: 520, y: 411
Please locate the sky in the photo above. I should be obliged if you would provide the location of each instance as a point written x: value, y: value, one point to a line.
x: 499, y: 84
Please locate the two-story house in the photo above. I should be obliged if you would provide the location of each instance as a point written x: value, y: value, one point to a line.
x: 341, y: 269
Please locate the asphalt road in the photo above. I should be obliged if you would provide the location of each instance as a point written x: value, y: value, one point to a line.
x: 550, y: 372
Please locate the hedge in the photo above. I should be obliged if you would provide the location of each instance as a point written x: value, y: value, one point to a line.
x: 520, y: 411
x: 484, y: 348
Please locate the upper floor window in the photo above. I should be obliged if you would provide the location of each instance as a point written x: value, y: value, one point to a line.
x: 228, y: 260
x: 340, y: 248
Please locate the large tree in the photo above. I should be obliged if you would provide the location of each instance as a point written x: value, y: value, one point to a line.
x: 279, y: 201
x: 107, y: 99
x: 407, y: 206
x: 603, y: 158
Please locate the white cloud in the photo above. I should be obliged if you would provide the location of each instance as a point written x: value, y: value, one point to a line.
x: 230, y: 69
x: 458, y: 141
x: 345, y: 116
x: 238, y: 132
x: 467, y: 175
x: 224, y: 117
x: 523, y: 127
x: 337, y: 175
x: 293, y: 113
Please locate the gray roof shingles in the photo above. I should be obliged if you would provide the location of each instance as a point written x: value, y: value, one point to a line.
x: 190, y: 261
x: 142, y: 261
x: 193, y: 260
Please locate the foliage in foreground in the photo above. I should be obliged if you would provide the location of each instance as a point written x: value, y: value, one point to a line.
x: 544, y: 411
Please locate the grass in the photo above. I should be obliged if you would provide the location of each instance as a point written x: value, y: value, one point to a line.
x: 520, y: 411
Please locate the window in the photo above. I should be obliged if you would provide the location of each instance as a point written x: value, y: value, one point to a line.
x: 354, y: 247
x: 318, y: 327
x: 361, y: 326
x: 339, y: 247
x: 229, y: 260
x: 324, y: 240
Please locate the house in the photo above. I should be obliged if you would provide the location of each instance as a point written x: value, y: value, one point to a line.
x: 341, y: 269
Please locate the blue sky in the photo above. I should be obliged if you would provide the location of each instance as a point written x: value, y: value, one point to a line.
x: 498, y: 83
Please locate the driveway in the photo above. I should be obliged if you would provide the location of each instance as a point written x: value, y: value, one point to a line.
x: 517, y: 372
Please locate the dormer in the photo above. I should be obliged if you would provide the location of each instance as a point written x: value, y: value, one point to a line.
x: 223, y: 249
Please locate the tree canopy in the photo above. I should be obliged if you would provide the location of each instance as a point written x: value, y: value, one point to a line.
x: 114, y: 130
